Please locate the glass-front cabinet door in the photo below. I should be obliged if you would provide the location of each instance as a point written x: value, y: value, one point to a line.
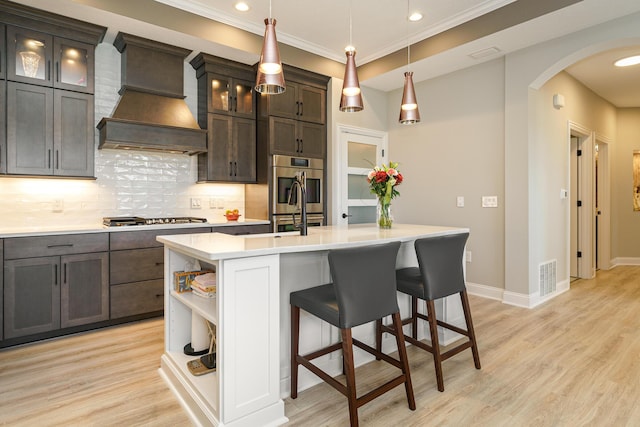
x: 73, y: 65
x: 230, y: 96
x: 243, y: 98
x: 29, y: 56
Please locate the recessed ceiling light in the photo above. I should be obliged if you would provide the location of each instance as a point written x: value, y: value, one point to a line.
x: 628, y: 61
x: 415, y: 16
x: 242, y: 6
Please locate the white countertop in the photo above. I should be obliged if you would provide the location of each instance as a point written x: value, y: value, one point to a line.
x: 217, y: 246
x: 48, y: 230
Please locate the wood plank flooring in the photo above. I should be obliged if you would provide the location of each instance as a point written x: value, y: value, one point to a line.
x: 573, y: 361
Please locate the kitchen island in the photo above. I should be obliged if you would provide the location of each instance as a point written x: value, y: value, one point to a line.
x: 255, y: 275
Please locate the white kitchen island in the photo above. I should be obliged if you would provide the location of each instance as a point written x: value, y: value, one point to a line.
x: 255, y: 275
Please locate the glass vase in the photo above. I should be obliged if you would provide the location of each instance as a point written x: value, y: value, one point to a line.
x: 385, y: 219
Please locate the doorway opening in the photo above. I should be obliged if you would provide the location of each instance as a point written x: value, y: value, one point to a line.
x: 589, y: 221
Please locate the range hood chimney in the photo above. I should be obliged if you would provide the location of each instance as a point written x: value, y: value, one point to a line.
x: 151, y: 113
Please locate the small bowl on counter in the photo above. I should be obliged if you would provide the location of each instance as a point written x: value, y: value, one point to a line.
x: 232, y: 217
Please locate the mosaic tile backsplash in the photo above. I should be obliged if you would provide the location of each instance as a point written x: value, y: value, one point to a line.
x: 128, y: 182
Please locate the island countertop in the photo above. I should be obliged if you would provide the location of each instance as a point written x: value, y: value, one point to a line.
x: 217, y: 246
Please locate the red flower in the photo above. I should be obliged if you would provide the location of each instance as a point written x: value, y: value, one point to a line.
x: 398, y: 178
x: 381, y: 176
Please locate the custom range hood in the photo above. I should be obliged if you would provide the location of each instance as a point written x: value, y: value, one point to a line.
x: 151, y: 113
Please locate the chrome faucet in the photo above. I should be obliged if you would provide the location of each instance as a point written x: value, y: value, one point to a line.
x: 300, y: 183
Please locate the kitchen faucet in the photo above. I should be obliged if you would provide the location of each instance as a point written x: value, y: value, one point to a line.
x: 300, y: 183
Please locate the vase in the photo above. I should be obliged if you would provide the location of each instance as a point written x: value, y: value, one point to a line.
x: 385, y: 219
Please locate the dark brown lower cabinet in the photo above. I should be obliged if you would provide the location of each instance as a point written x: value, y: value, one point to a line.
x: 47, y: 293
x: 137, y: 271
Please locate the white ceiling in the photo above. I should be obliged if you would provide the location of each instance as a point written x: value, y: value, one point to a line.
x: 379, y: 27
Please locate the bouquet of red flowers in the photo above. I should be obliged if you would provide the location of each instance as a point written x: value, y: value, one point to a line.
x: 383, y: 181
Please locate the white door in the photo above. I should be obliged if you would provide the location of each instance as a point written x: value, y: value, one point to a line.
x: 360, y: 150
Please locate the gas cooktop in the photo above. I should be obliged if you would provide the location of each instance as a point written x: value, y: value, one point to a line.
x: 119, y: 221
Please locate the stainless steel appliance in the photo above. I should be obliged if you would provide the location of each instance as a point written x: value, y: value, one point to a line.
x: 120, y: 221
x: 285, y: 222
x: 284, y: 204
x: 284, y: 175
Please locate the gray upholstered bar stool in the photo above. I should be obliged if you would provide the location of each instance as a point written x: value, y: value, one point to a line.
x: 363, y: 290
x: 440, y: 274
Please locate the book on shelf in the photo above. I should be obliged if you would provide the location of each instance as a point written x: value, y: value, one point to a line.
x: 182, y: 280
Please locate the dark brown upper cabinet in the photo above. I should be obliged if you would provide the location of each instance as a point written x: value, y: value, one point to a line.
x: 38, y: 58
x: 294, y: 122
x: 228, y: 95
x: 227, y: 109
x: 47, y: 103
x: 299, y: 102
x: 49, y: 132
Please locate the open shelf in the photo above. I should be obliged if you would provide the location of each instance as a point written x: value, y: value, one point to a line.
x: 204, y: 386
x: 205, y: 307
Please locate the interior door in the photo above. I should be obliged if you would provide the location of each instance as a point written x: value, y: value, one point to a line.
x: 361, y: 150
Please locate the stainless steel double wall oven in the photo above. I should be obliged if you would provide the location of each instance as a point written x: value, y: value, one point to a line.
x: 284, y: 174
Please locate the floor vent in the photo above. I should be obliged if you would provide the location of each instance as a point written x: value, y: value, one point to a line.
x: 547, y: 277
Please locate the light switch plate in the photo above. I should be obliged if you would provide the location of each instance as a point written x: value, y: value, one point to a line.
x: 489, y: 201
x: 460, y: 201
x: 195, y: 203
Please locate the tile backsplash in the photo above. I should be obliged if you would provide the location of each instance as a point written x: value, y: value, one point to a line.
x: 128, y: 182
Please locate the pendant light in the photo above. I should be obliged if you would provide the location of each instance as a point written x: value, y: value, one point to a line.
x: 409, y: 113
x: 270, y: 78
x: 351, y: 99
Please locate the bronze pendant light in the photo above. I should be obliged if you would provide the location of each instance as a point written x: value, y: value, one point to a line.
x: 351, y: 99
x: 409, y: 113
x: 270, y: 78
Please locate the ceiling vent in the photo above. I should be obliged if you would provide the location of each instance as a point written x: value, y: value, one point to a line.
x: 151, y: 113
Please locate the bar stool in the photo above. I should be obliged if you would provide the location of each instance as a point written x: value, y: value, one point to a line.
x: 363, y: 290
x: 440, y: 274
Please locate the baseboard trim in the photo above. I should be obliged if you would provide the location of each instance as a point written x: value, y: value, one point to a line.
x: 515, y: 298
x: 484, y: 291
x: 624, y: 261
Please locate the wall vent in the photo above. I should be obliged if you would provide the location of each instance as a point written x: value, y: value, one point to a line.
x: 547, y: 280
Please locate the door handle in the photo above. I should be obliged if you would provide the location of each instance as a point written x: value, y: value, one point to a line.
x: 344, y: 215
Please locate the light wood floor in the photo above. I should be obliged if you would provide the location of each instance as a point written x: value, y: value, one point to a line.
x: 573, y: 361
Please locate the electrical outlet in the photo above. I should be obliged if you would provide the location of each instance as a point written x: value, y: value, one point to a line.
x: 489, y: 201
x: 468, y: 256
x: 460, y: 201
x: 195, y: 203
x: 58, y: 205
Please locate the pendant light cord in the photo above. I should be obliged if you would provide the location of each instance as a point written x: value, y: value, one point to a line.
x: 269, y: 9
x: 350, y: 25
x: 408, y: 42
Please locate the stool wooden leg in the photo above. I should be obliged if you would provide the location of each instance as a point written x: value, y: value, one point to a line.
x: 402, y: 352
x: 433, y: 330
x: 414, y: 317
x: 347, y: 357
x: 472, y: 334
x: 378, y: 336
x: 295, y: 342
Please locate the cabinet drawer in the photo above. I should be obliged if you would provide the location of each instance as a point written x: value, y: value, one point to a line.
x: 130, y: 299
x: 136, y: 265
x: 147, y: 238
x: 31, y: 247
